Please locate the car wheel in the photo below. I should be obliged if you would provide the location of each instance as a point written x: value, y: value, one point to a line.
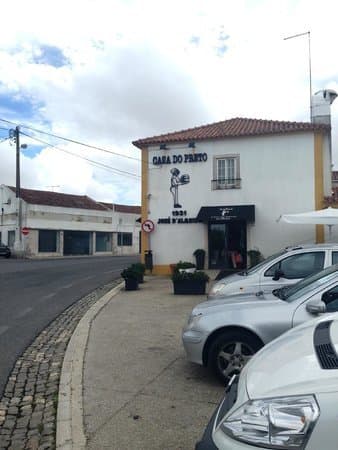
x: 8, y: 255
x: 229, y: 353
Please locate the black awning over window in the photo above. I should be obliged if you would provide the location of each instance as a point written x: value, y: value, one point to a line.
x: 218, y: 213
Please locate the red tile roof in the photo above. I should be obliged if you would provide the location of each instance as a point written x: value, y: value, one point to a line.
x: 123, y: 208
x: 231, y: 128
x: 48, y: 198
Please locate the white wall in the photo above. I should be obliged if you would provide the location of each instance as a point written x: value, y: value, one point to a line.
x: 277, y: 175
x: 37, y: 217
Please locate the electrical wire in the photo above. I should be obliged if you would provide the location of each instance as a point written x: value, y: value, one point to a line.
x: 96, y: 163
x: 73, y: 141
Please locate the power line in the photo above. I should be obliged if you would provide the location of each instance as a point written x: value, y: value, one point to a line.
x: 73, y: 141
x: 96, y: 163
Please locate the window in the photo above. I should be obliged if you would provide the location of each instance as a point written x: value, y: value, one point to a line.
x: 330, y: 298
x: 226, y: 172
x: 103, y: 242
x: 124, y: 239
x: 298, y: 266
x: 334, y: 258
x: 47, y: 241
x: 11, y: 238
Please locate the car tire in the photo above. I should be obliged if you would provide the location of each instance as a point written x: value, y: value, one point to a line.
x: 8, y: 255
x: 230, y: 351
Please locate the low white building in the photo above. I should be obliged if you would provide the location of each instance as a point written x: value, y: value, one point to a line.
x: 56, y: 224
x: 222, y: 187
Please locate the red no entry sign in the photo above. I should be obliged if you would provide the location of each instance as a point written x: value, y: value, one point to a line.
x: 25, y: 231
x: 148, y: 226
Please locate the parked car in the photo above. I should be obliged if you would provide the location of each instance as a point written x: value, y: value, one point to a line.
x: 281, y: 269
x: 286, y: 397
x: 224, y: 334
x: 5, y: 250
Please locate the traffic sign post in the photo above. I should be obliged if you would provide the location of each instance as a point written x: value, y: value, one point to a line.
x: 25, y: 231
x: 148, y: 226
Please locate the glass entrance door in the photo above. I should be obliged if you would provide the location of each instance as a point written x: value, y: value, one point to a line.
x: 227, y: 245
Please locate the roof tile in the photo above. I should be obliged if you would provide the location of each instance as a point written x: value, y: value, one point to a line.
x: 236, y: 127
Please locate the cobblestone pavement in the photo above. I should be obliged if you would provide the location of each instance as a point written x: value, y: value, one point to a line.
x: 29, y: 404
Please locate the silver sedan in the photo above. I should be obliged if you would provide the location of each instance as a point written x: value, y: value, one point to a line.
x: 224, y: 334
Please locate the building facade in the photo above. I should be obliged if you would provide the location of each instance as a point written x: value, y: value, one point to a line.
x: 223, y: 187
x: 46, y: 224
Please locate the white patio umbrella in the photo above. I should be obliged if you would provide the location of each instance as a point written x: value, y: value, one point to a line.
x: 327, y: 216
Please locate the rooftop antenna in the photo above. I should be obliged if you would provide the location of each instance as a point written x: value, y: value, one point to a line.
x: 308, y: 34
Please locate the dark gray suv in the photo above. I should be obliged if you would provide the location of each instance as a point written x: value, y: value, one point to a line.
x: 5, y: 250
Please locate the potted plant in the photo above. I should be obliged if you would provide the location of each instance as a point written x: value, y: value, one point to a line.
x: 130, y: 278
x: 200, y: 257
x: 140, y: 269
x: 189, y: 282
x: 255, y: 257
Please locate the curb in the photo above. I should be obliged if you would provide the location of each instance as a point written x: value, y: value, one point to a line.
x: 70, y: 433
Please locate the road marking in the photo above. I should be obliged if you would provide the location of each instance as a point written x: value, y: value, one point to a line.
x: 109, y: 271
x: 52, y: 294
x: 3, y: 329
x: 66, y: 286
x: 24, y: 312
x: 87, y: 278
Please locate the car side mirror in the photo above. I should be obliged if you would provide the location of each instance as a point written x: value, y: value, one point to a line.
x: 316, y: 307
x: 278, y: 274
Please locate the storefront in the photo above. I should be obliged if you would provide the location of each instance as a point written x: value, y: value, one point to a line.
x: 227, y: 234
x: 222, y: 188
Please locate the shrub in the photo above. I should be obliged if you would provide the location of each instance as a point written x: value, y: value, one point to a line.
x: 129, y: 273
x: 184, y: 265
x: 197, y: 275
x: 139, y: 267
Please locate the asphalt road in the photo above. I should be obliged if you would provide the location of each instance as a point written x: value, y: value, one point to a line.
x: 33, y: 293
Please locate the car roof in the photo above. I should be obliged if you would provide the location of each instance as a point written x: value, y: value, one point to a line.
x: 332, y: 245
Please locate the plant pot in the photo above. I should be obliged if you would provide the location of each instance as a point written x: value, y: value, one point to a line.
x: 200, y: 258
x: 131, y: 284
x: 140, y: 278
x: 189, y: 287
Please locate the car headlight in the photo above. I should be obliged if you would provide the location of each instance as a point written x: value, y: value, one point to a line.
x: 285, y: 422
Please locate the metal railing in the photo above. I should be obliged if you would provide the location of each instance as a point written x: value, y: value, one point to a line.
x: 226, y: 183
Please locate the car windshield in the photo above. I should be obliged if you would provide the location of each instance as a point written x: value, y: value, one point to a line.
x: 256, y: 268
x: 308, y: 284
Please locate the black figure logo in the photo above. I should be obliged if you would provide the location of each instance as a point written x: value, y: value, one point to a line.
x: 175, y: 181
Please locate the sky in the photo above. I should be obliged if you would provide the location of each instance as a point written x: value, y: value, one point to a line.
x: 107, y: 72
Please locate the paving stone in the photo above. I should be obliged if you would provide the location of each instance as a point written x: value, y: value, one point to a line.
x: 27, y: 408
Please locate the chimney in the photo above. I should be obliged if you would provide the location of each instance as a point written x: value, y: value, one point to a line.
x: 321, y: 102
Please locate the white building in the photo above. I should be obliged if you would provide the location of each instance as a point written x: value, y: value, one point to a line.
x: 222, y: 187
x: 63, y: 224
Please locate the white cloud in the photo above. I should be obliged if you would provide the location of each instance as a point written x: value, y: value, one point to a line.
x: 140, y: 68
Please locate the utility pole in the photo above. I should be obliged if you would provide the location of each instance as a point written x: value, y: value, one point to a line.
x: 308, y: 34
x: 18, y: 188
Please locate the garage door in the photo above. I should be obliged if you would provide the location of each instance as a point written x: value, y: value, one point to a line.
x: 76, y: 242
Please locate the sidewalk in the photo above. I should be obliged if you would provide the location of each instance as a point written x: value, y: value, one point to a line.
x: 139, y: 392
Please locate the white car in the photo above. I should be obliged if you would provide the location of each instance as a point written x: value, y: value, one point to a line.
x: 284, y: 268
x: 286, y: 397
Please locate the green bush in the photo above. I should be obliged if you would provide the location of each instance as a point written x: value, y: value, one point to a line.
x: 139, y: 267
x: 184, y: 265
x: 129, y: 273
x: 197, y: 275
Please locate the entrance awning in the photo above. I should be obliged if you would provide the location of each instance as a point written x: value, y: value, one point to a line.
x: 223, y: 213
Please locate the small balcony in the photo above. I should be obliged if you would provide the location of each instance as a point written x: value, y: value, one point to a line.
x: 226, y: 183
